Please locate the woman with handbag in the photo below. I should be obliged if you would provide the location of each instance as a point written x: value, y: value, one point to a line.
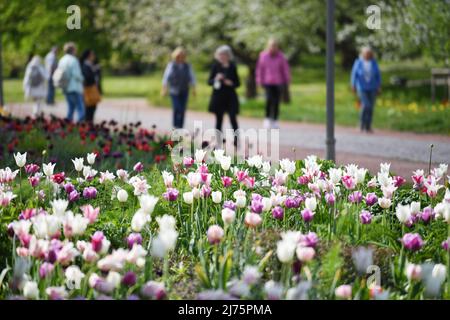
x: 92, y: 88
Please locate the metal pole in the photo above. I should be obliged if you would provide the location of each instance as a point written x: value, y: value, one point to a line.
x: 331, y: 141
x: 2, y: 100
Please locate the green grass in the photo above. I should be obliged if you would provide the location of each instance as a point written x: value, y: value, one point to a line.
x: 406, y: 109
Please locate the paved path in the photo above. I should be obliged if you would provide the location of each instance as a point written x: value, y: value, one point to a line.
x: 406, y: 151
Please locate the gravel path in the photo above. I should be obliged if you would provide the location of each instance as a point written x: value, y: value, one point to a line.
x: 406, y: 151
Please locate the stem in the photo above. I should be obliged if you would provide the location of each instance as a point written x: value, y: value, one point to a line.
x: 431, y: 155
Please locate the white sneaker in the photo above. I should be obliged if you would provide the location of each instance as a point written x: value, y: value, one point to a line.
x: 267, y: 124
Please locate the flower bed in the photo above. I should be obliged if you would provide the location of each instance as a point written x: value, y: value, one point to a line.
x: 57, y: 140
x: 210, y: 230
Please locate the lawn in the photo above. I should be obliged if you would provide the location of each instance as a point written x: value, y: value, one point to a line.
x: 405, y: 109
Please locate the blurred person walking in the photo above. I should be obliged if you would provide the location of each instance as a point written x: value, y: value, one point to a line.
x: 366, y: 83
x: 92, y: 83
x: 178, y: 78
x: 272, y: 73
x: 69, y: 78
x: 224, y: 79
x: 51, y: 62
x: 34, y: 83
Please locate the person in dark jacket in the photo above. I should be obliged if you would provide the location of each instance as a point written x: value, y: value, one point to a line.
x: 224, y: 79
x: 92, y: 76
x: 178, y: 78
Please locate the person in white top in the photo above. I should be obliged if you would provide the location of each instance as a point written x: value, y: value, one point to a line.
x: 35, y: 83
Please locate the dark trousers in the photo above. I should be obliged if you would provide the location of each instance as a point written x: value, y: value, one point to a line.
x: 273, y: 95
x: 367, y: 99
x: 50, y: 92
x: 179, y: 103
x: 233, y: 120
x: 90, y: 111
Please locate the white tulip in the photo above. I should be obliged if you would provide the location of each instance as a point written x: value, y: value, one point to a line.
x: 267, y: 204
x: 266, y: 167
x: 73, y: 277
x: 228, y: 216
x: 139, y: 220
x: 216, y: 196
x: 91, y: 158
x: 78, y: 163
x: 218, y: 154
x: 403, y: 213
x: 31, y: 290
x: 114, y: 278
x: 148, y: 203
x: 256, y: 161
x: 288, y: 166
x: 48, y: 169
x: 225, y: 163
x: 168, y: 178
x: 384, y: 202
x: 415, y: 207
x: 385, y: 168
x: 122, y: 195
x: 59, y: 206
x: 335, y: 175
x: 188, y: 197
x: 241, y: 201
x: 21, y: 159
x: 200, y: 155
x: 285, y: 250
x: 311, y: 203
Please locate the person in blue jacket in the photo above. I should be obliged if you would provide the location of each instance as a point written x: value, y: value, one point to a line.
x: 366, y: 82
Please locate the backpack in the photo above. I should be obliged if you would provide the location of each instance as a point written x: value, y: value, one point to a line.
x: 36, y: 77
x: 60, y: 79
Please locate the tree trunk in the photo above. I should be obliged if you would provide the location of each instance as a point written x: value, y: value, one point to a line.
x: 2, y: 99
x: 250, y: 88
x: 348, y: 54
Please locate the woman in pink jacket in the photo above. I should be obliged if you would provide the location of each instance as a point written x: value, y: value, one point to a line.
x: 272, y: 73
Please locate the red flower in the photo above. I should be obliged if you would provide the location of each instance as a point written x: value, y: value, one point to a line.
x: 59, y: 177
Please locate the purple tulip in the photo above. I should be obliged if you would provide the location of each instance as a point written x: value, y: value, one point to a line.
x: 205, y: 191
x: 371, y: 199
x: 307, y: 215
x: 138, y: 167
x: 309, y: 240
x: 292, y: 202
x: 230, y: 205
x: 412, y: 241
x: 134, y: 238
x: 446, y: 244
x: 129, y: 279
x: 256, y: 197
x: 355, y: 197
x: 278, y: 213
x: 330, y: 198
x: 365, y: 217
x: 171, y: 194
x: 89, y: 193
x: 427, y: 214
x: 256, y: 206
x: 45, y: 269
x: 68, y: 187
x: 154, y: 290
x: 74, y: 196
x: 97, y: 241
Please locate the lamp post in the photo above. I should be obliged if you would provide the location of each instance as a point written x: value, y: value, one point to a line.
x: 330, y: 141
